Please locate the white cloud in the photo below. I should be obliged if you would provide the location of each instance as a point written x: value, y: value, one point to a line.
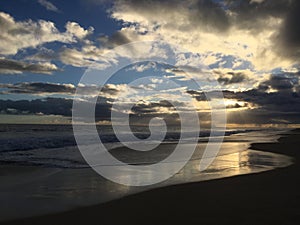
x: 48, y: 5
x: 142, y: 67
x: 256, y: 1
x: 17, y: 35
x: 76, y: 30
x: 87, y: 56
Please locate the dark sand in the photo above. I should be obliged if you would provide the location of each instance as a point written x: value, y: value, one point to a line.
x: 267, y: 198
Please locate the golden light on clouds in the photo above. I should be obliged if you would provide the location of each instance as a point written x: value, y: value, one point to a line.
x: 236, y: 105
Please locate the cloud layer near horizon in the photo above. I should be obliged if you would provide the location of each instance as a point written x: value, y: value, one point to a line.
x: 279, y: 107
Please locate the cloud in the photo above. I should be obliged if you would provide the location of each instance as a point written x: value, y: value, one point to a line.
x: 38, y: 88
x: 9, y: 66
x: 63, y: 107
x: 279, y: 95
x: 232, y: 78
x: 278, y: 107
x: 49, y: 106
x: 260, y: 107
x: 189, y: 14
x: 143, y: 67
x: 153, y: 107
x: 251, y: 106
x: 43, y: 54
x: 48, y: 5
x: 76, y: 30
x: 122, y: 94
x: 244, y: 11
x: 52, y: 106
x: 17, y: 35
x: 285, y: 37
x: 141, y: 113
x: 116, y: 39
x: 222, y: 27
x: 281, y: 101
x: 108, y: 91
x: 20, y: 35
x: 288, y: 38
x: 281, y: 82
x: 95, y: 57
x: 256, y: 1
x: 224, y: 33
x: 87, y: 56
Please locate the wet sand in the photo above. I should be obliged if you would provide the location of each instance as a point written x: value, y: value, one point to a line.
x: 271, y: 197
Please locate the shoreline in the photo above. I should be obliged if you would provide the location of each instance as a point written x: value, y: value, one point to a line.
x: 270, y: 197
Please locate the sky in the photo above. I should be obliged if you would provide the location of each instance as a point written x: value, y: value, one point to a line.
x: 247, y: 49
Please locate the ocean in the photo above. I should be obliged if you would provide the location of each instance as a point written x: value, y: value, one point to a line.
x: 42, y: 170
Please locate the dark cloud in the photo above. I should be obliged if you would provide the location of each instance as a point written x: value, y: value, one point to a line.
x: 114, y: 40
x: 282, y: 106
x: 62, y: 106
x: 252, y: 14
x: 211, y: 14
x: 256, y: 15
x: 217, y: 15
x: 231, y: 78
x: 141, y: 114
x: 48, y: 106
x: 288, y: 38
x: 281, y: 101
x: 285, y: 100
x: 9, y: 66
x: 39, y: 88
x: 199, y: 96
x: 291, y: 28
x: 153, y: 107
x: 206, y: 14
x: 52, y: 106
x: 281, y: 82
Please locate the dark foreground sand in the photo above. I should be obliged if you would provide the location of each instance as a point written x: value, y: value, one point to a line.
x: 268, y: 198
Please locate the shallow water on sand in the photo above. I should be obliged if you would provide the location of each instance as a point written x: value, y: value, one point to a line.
x: 32, y: 190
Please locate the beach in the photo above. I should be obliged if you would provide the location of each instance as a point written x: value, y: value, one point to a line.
x: 270, y: 197
x: 150, y: 112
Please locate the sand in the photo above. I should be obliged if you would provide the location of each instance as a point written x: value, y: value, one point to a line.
x: 266, y: 198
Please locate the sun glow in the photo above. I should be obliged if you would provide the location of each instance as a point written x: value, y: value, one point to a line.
x: 235, y: 105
